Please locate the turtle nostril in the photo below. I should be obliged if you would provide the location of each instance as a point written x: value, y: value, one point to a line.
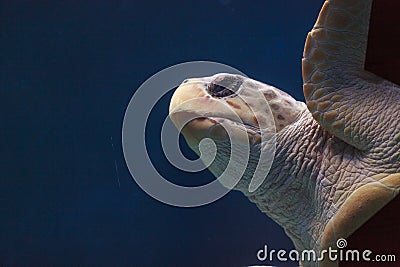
x: 224, y: 86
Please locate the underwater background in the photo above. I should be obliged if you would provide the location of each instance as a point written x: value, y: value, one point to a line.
x: 67, y: 72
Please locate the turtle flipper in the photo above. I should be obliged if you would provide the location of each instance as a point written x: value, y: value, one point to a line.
x: 362, y: 205
x: 335, y: 81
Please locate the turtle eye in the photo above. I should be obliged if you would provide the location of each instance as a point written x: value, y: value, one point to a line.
x: 224, y: 86
x: 217, y: 90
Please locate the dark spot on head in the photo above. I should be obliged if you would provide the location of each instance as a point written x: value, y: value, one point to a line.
x: 269, y: 95
x: 208, y: 96
x: 255, y: 120
x: 281, y: 125
x: 232, y: 104
x: 185, y: 81
x: 280, y: 117
x: 288, y: 102
x: 274, y: 106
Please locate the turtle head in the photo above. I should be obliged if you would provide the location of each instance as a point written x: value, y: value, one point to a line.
x: 203, y: 103
x: 226, y: 105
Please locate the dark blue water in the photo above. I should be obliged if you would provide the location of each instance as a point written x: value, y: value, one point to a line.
x: 67, y: 72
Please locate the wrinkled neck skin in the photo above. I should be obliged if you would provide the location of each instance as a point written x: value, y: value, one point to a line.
x: 299, y: 193
x: 312, y: 175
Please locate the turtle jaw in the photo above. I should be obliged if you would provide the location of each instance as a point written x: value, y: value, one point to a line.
x: 216, y: 128
x: 198, y: 114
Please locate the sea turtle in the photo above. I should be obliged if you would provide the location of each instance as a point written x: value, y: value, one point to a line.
x: 337, y: 159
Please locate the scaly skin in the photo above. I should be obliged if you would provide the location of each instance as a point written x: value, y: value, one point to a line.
x: 345, y: 99
x: 313, y: 174
x: 336, y: 163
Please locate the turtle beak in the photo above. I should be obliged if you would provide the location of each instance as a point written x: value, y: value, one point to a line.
x: 187, y: 98
x: 188, y: 108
